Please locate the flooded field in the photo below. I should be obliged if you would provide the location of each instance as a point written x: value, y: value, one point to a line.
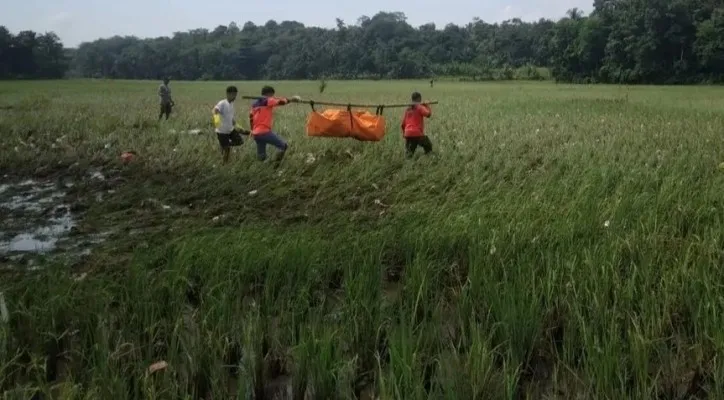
x: 38, y: 220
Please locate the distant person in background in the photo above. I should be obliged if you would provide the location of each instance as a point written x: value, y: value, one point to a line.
x: 432, y: 82
x: 164, y: 94
x: 225, y: 123
x: 413, y: 126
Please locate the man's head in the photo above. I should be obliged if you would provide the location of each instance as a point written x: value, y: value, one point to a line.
x: 166, y: 81
x: 231, y: 92
x: 416, y: 97
x: 267, y: 91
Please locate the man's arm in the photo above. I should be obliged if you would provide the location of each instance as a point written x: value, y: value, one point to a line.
x: 282, y: 101
x: 424, y: 110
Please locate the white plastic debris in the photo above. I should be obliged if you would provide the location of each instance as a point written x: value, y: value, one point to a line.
x: 157, y: 366
x: 81, y: 277
x: 253, y: 192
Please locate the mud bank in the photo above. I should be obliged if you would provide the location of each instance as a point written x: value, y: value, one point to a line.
x: 38, y: 221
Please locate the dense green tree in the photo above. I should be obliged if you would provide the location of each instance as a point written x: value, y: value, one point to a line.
x: 709, y: 44
x: 382, y: 46
x: 621, y: 41
x: 641, y: 41
x: 28, y: 55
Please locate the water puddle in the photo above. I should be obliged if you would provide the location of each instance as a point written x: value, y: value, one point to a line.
x: 36, y: 220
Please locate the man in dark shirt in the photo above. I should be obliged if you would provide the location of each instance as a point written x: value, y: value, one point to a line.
x: 164, y: 95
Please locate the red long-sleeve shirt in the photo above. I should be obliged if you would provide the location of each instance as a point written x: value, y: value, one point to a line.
x: 261, y: 114
x: 413, y: 123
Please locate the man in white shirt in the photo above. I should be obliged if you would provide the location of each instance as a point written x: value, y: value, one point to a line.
x: 225, y: 123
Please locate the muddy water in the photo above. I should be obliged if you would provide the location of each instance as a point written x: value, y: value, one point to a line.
x: 35, y: 218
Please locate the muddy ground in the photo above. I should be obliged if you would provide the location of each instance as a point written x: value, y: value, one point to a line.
x: 44, y: 219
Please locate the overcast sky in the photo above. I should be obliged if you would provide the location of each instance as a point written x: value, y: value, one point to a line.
x: 77, y: 21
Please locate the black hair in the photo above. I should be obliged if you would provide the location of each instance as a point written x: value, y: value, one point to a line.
x: 416, y: 96
x: 231, y: 89
x: 267, y: 91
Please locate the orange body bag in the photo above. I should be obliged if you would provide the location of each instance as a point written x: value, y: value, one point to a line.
x: 360, y: 125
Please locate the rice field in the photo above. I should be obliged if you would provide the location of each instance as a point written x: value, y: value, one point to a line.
x: 564, y: 242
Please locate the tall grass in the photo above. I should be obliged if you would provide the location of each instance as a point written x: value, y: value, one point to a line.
x: 565, y: 242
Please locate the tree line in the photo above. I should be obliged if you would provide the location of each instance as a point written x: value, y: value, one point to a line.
x: 30, y: 55
x: 621, y: 41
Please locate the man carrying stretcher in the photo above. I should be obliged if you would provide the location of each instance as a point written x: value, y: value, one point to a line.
x: 261, y: 121
x: 413, y: 126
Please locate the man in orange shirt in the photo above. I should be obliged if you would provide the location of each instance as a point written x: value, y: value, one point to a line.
x: 413, y: 126
x: 261, y: 120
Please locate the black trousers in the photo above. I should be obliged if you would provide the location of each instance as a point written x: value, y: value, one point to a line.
x: 233, y: 138
x: 165, y: 109
x: 411, y: 144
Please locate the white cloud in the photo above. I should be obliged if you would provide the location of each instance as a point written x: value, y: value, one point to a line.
x: 60, y: 17
x: 510, y: 12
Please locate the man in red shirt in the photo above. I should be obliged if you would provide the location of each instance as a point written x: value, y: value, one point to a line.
x: 261, y: 120
x: 413, y: 126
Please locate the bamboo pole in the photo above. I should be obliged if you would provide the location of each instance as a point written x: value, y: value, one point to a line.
x: 322, y: 103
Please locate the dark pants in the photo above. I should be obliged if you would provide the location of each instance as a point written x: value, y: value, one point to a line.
x: 411, y: 144
x: 165, y: 109
x: 269, y: 138
x: 227, y: 140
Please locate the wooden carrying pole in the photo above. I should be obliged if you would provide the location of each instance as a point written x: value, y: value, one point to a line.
x: 348, y: 105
